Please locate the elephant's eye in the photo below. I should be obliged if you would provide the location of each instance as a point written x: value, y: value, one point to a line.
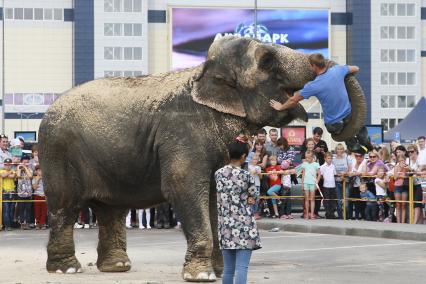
x: 221, y: 80
x: 267, y: 62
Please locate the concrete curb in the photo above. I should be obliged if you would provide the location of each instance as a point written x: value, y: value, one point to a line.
x: 361, y: 230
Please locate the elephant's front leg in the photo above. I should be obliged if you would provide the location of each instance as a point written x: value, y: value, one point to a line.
x: 112, y: 256
x: 190, y: 197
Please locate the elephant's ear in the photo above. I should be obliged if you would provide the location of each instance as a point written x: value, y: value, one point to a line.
x: 215, y: 86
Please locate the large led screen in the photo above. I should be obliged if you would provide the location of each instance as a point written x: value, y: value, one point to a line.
x: 194, y: 29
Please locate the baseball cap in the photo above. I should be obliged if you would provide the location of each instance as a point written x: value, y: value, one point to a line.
x: 8, y: 161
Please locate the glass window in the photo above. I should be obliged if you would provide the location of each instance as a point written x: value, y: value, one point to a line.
x: 384, y: 123
x: 402, y: 102
x: 128, y: 53
x: 128, y: 29
x: 108, y: 29
x: 392, y: 122
x: 411, y: 33
x: 137, y: 6
x: 400, y: 120
x: 384, y: 101
x: 391, y: 9
x: 8, y: 13
x: 384, y: 9
x: 384, y: 78
x: 108, y: 74
x: 128, y: 5
x: 137, y: 53
x: 411, y: 9
x: 19, y: 13
x: 108, y: 6
x: 401, y: 55
x: 402, y: 78
x: 384, y: 55
x: 401, y: 33
x: 118, y: 73
x: 128, y: 74
x: 117, y: 5
x: 108, y: 53
x: 401, y: 10
x: 392, y: 32
x: 411, y: 78
x: 411, y: 55
x: 137, y: 73
x: 392, y: 78
x: 391, y: 55
x: 48, y: 14
x: 28, y: 13
x: 137, y: 29
x: 58, y: 14
x: 384, y: 32
x: 392, y: 101
x: 118, y: 53
x: 38, y: 14
x: 117, y: 30
x: 411, y: 101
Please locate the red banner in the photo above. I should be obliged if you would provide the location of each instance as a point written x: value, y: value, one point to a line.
x: 295, y: 135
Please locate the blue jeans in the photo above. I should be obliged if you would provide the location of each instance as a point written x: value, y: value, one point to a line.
x: 339, y: 194
x: 275, y: 188
x: 8, y: 209
x: 235, y: 261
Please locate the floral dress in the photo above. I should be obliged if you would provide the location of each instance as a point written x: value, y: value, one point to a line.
x: 237, y: 227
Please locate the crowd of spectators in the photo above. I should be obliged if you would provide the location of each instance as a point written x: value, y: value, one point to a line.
x: 376, y: 182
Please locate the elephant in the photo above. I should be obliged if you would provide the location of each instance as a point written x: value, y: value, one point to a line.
x: 135, y: 142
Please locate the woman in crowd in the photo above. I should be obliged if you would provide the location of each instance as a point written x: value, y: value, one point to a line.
x: 415, y: 169
x: 373, y: 164
x: 358, y: 169
x: 260, y: 151
x: 401, y: 188
x: 238, y: 234
x: 343, y: 168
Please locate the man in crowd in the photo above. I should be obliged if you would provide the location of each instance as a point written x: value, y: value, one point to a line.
x: 4, y: 152
x: 422, y: 150
x: 329, y: 88
x: 271, y: 146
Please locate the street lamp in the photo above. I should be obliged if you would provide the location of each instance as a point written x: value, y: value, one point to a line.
x: 255, y: 19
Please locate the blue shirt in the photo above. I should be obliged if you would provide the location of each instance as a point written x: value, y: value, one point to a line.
x: 330, y: 90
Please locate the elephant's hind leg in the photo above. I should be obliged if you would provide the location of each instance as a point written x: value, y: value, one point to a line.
x: 112, y: 256
x: 60, y: 249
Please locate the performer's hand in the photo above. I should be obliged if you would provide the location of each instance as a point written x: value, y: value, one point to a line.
x: 276, y: 105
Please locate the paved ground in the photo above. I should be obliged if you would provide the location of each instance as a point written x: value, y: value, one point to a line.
x: 157, y: 257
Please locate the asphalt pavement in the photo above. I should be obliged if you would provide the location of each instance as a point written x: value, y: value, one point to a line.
x: 286, y: 257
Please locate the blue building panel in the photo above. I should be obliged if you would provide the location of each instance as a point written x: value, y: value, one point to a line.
x: 344, y: 19
x: 68, y: 15
x: 423, y: 13
x: 84, y: 41
x: 157, y: 16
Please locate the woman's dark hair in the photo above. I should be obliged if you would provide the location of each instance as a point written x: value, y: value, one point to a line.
x: 237, y: 149
x: 283, y: 142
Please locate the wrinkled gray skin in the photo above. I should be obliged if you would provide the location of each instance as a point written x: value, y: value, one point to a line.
x: 122, y: 143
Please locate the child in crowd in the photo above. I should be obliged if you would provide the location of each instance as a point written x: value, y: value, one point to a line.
x: 328, y: 171
x: 25, y: 193
x: 381, y: 182
x: 286, y: 187
x: 400, y: 188
x: 274, y: 180
x: 310, y: 177
x: 147, y: 217
x: 8, y: 191
x: 255, y: 171
x: 371, y: 207
x: 40, y: 207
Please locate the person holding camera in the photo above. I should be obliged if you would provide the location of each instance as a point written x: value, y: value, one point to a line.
x: 8, y: 191
x: 25, y: 192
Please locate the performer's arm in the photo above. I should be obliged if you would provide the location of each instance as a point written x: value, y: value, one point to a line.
x: 291, y: 102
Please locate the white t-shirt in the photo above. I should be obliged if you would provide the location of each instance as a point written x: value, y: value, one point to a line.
x: 422, y: 157
x: 362, y: 168
x: 328, y: 172
x: 256, y: 169
x: 379, y: 190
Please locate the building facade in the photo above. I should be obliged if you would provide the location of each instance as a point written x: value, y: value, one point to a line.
x: 49, y: 46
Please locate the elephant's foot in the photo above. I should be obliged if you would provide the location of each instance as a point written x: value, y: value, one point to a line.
x: 68, y: 265
x: 198, y: 271
x: 115, y: 261
x: 218, y: 267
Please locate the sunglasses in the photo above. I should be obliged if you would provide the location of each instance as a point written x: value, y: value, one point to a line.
x: 411, y: 151
x: 372, y: 157
x: 359, y: 155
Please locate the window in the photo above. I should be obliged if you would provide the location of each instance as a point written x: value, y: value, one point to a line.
x: 38, y: 14
x: 117, y: 5
x: 122, y: 73
x: 384, y: 10
x: 384, y: 78
x: 411, y: 33
x: 19, y: 13
x: 402, y: 101
x: 401, y: 55
x: 401, y: 33
x: 108, y: 6
x: 117, y: 53
x: 384, y: 101
x: 137, y: 29
x: 128, y: 53
x: 411, y: 9
x: 117, y: 73
x: 48, y: 14
x: 411, y: 101
x: 411, y: 78
x: 392, y: 123
x: 137, y: 73
x: 392, y: 100
x: 137, y: 6
x: 8, y: 13
x: 411, y: 55
x: 384, y: 55
x: 137, y: 53
x: 402, y: 78
x: 108, y: 53
x: 384, y: 32
x: 58, y: 14
x: 128, y: 5
x: 401, y: 9
x: 108, y: 29
x: 385, y: 124
x: 128, y: 31
x: 28, y: 14
x: 117, y: 29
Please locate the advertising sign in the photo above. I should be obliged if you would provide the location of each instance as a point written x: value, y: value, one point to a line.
x: 376, y: 133
x: 295, y: 135
x: 195, y: 29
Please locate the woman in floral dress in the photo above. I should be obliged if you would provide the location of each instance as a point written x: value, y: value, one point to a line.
x: 238, y: 234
